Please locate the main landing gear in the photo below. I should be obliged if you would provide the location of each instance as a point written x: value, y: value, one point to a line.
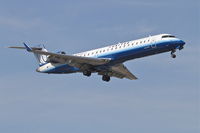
x: 173, y: 54
x: 106, y: 78
x: 87, y: 73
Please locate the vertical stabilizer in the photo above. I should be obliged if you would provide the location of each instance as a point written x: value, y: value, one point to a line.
x: 42, y: 59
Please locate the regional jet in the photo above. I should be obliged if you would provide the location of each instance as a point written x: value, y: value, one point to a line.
x: 107, y: 61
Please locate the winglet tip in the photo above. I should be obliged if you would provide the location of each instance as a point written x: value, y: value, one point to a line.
x: 27, y: 47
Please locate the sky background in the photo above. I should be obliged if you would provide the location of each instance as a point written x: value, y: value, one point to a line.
x: 165, y: 99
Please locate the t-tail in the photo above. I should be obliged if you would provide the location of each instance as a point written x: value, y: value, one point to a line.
x: 42, y: 59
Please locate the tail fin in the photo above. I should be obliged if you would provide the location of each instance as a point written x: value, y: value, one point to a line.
x: 42, y: 59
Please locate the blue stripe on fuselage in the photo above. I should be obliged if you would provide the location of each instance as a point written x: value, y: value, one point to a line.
x: 141, y: 50
x: 62, y: 68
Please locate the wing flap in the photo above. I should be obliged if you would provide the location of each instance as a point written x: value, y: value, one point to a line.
x: 120, y: 71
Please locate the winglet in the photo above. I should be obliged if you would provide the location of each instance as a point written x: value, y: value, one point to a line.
x: 27, y: 47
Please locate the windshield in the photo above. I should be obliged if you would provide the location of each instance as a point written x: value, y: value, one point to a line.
x: 167, y: 36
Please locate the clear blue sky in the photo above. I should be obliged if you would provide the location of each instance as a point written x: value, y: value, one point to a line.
x: 165, y: 99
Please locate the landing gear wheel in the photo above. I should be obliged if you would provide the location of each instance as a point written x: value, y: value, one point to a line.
x: 106, y: 78
x: 87, y: 73
x: 173, y: 55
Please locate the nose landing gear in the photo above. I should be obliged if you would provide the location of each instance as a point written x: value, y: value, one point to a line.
x: 173, y: 55
x: 181, y: 47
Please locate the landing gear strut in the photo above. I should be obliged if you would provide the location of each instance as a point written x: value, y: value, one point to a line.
x: 106, y: 78
x: 172, y: 54
x: 87, y: 73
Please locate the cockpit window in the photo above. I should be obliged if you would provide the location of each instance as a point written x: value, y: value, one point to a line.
x: 167, y: 36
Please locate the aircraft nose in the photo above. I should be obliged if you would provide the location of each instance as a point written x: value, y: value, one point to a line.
x: 182, y: 42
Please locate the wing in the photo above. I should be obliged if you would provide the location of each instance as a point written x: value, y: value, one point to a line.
x: 72, y: 59
x: 120, y: 71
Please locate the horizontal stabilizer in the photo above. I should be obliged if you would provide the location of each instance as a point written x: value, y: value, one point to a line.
x: 33, y: 48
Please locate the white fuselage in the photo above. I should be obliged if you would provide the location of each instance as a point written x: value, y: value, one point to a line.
x: 125, y: 51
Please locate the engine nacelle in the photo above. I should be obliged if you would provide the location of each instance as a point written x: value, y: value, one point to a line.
x: 61, y: 52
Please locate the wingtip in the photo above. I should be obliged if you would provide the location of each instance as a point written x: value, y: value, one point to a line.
x: 8, y: 47
x: 27, y: 47
x: 135, y: 78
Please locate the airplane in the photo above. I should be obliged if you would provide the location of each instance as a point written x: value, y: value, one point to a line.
x: 107, y: 61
